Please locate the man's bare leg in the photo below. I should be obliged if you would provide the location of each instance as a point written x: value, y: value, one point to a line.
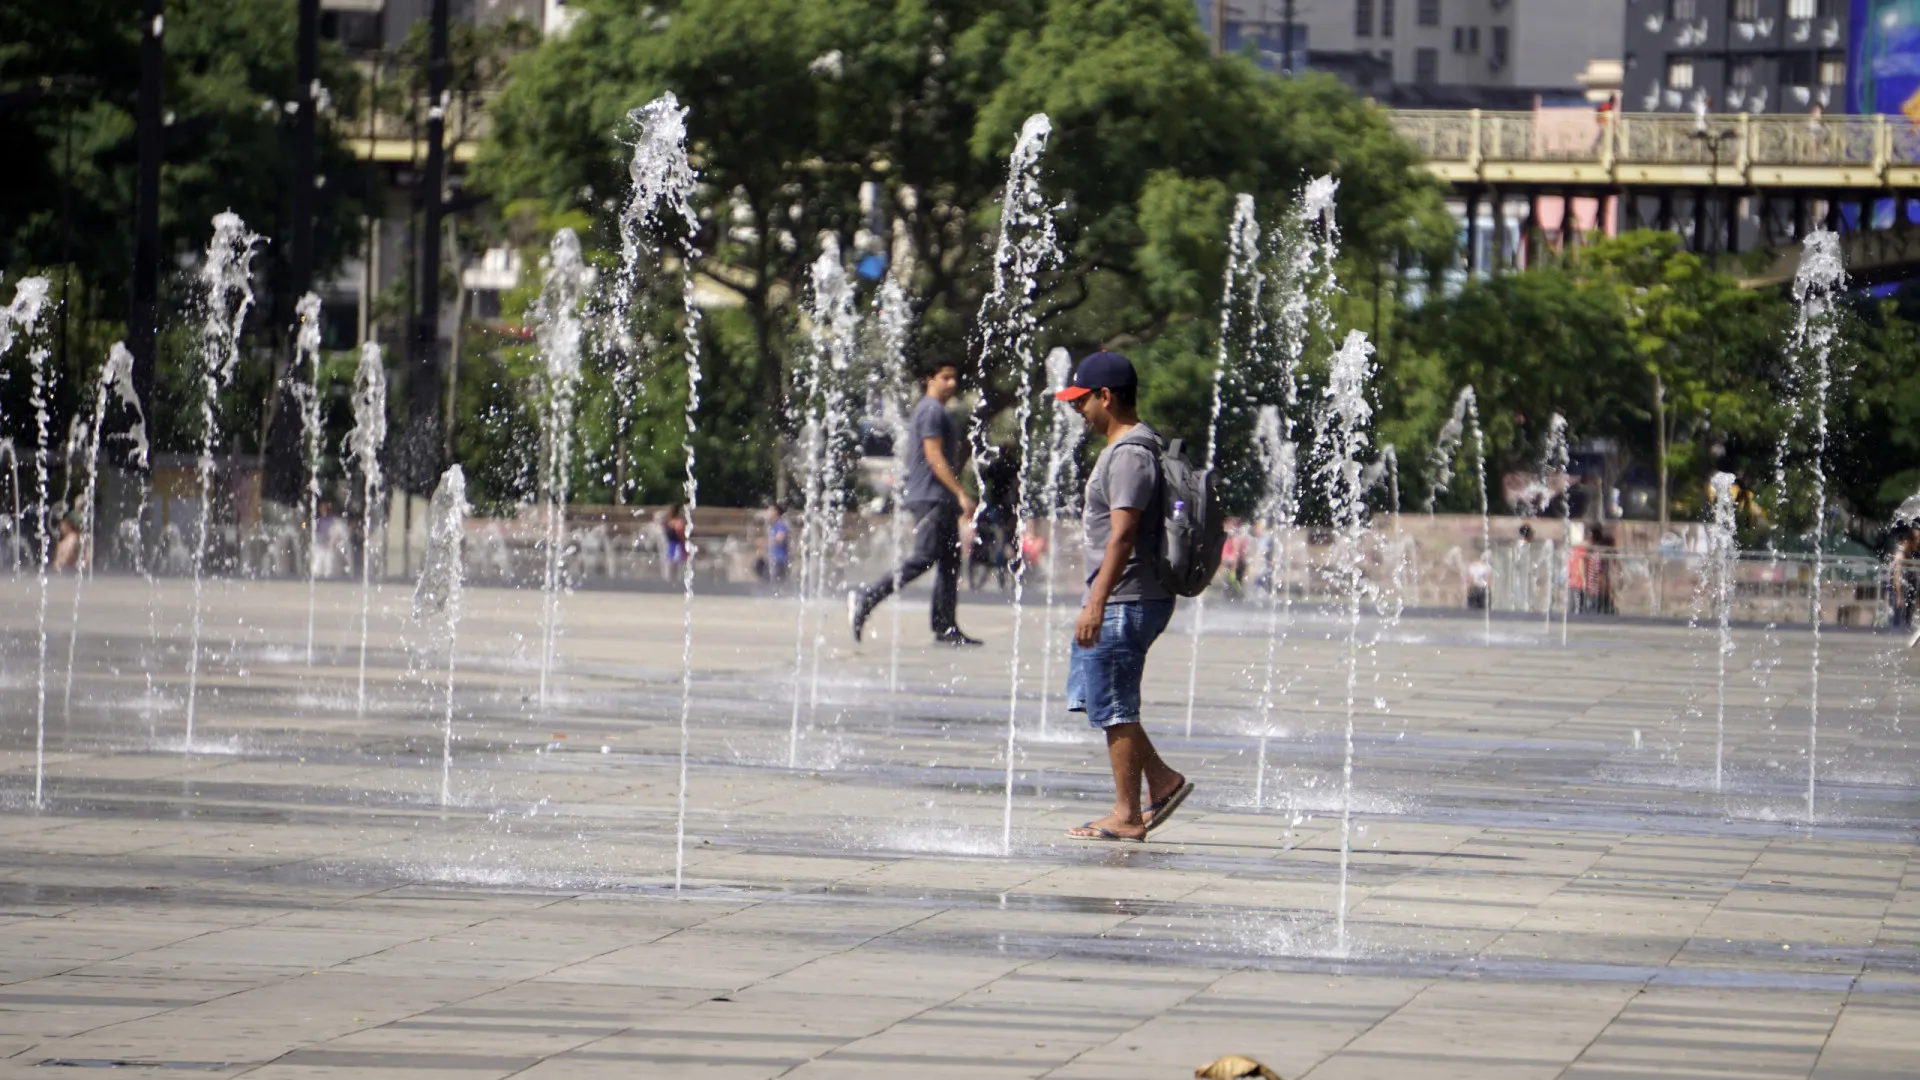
x: 1133, y: 758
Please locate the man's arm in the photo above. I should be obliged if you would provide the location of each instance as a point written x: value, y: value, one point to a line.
x: 937, y: 461
x: 1126, y: 528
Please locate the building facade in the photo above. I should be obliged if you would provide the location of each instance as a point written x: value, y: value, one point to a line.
x: 1734, y: 56
x: 1496, y: 53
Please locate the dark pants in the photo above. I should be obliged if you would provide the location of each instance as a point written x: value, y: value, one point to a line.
x: 936, y: 545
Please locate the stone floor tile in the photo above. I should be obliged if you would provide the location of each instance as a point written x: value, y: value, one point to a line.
x: 1541, y: 883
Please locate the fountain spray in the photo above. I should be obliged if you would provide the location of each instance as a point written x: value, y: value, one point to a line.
x: 822, y: 403
x: 662, y: 199
x: 1816, y: 289
x: 1486, y: 511
x: 1243, y: 271
x: 1722, y: 551
x: 227, y: 280
x: 834, y: 332
x: 23, y: 315
x: 116, y: 378
x: 37, y: 357
x: 441, y: 592
x: 364, y: 441
x: 1466, y: 411
x: 1027, y: 246
x: 1303, y: 287
x: 306, y: 347
x: 1557, y: 461
x: 813, y: 437
x: 1343, y: 444
x: 1278, y: 510
x: 12, y: 456
x: 895, y: 318
x: 1386, y: 472
x: 559, y: 334
x: 1064, y: 436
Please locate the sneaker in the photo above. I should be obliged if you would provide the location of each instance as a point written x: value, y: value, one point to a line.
x: 953, y: 636
x: 855, y: 617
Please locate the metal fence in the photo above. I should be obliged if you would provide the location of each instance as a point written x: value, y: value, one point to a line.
x: 1854, y: 590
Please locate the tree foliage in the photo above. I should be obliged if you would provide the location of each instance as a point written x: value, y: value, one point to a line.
x: 796, y: 104
x: 69, y: 76
x: 74, y: 67
x: 1593, y: 335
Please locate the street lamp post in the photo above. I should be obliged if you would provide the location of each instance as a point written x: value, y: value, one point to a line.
x: 1713, y: 141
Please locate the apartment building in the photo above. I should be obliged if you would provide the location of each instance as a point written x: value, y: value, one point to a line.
x: 1752, y: 56
x: 1498, y: 53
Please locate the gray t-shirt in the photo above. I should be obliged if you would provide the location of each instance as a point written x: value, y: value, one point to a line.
x: 1125, y: 476
x: 930, y: 420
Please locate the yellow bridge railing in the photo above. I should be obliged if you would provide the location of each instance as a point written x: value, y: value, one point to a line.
x: 1577, y: 147
x: 400, y: 138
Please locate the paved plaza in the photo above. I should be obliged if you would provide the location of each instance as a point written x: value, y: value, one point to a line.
x: 1543, y: 882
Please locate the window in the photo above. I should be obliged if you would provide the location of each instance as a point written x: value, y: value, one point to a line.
x: 1429, y: 13
x: 1741, y: 75
x: 1799, y: 9
x: 1682, y: 9
x: 1426, y: 66
x: 1501, y: 36
x: 1466, y: 39
x: 1473, y: 39
x: 1386, y: 18
x: 1679, y: 74
x: 1833, y: 69
x: 1746, y: 10
x: 1362, y: 18
x: 1796, y: 69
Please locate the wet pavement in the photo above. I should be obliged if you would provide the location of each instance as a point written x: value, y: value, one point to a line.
x: 1543, y: 881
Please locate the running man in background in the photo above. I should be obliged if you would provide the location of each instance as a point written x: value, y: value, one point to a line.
x: 1126, y: 607
x: 935, y: 498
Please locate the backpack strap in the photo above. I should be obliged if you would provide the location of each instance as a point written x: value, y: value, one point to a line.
x: 1153, y: 519
x: 1146, y: 437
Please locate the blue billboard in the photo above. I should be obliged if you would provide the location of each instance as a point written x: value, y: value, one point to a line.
x: 1883, y: 57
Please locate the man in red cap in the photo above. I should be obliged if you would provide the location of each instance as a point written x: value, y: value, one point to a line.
x: 1126, y: 606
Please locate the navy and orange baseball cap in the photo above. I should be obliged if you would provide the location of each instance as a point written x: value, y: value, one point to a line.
x: 1100, y: 371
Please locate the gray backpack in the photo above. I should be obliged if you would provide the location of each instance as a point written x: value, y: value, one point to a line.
x: 1191, y: 533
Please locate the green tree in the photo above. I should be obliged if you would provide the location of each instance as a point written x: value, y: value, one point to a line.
x: 796, y: 104
x: 1708, y: 349
x: 1632, y: 339
x: 68, y: 90
x: 230, y: 66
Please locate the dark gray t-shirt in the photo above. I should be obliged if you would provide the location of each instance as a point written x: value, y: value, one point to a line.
x: 1125, y: 476
x: 930, y: 420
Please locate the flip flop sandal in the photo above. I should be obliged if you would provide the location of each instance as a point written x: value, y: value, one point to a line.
x: 1159, y: 812
x: 1100, y: 835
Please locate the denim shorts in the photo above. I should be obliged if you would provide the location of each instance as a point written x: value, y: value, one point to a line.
x: 1104, y: 681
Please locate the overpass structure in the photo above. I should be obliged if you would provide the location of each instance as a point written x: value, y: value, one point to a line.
x: 1723, y: 180
x: 400, y: 139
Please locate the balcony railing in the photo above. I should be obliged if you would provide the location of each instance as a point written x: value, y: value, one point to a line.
x: 401, y: 136
x: 1752, y: 150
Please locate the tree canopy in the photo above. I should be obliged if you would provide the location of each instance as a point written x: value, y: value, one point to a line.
x: 796, y: 105
x: 1596, y: 335
x: 72, y: 69
x: 69, y: 76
